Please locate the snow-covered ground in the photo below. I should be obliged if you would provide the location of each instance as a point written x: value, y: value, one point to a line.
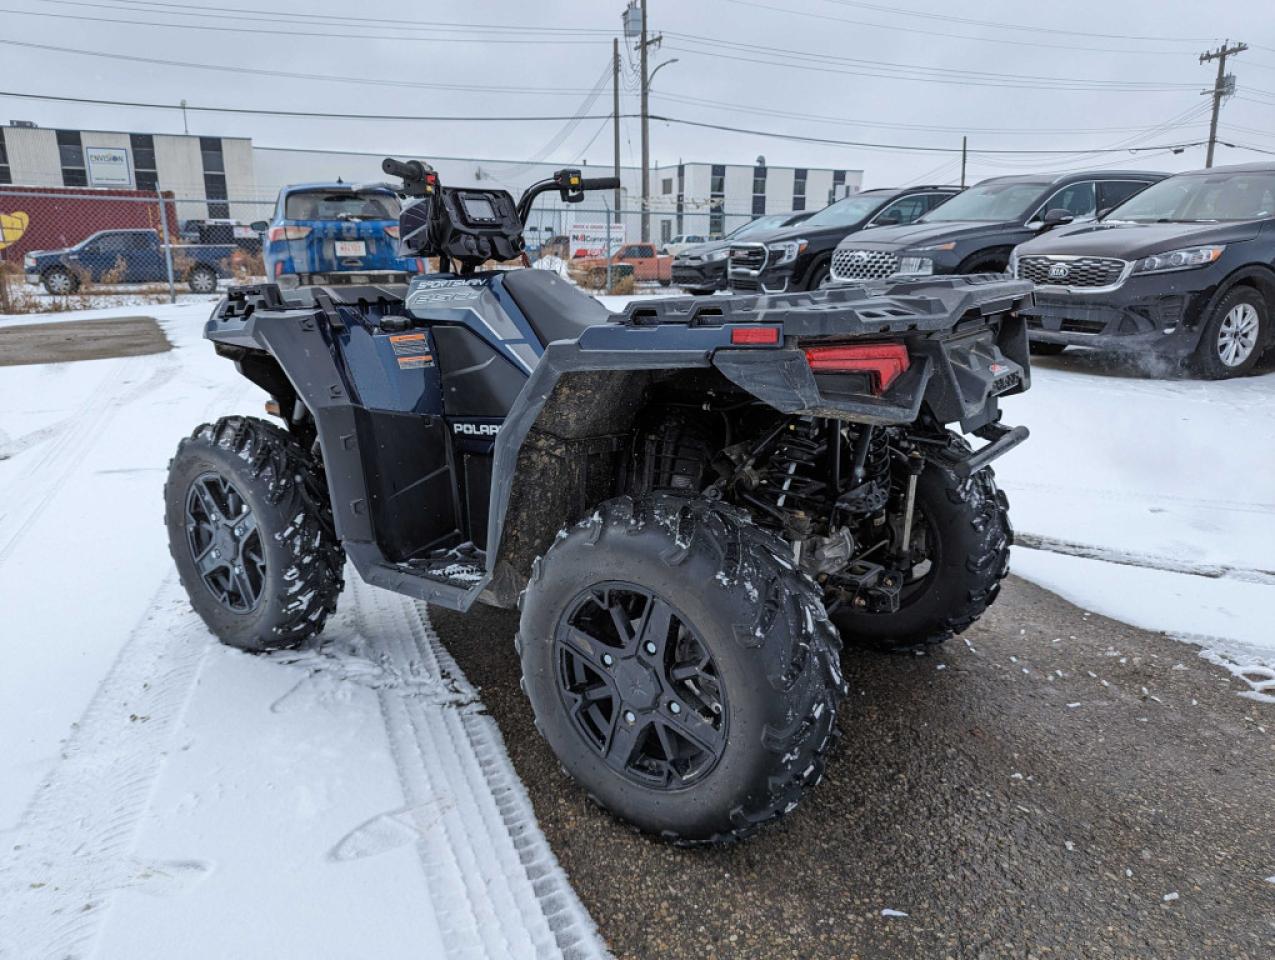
x: 1153, y: 501
x: 163, y: 796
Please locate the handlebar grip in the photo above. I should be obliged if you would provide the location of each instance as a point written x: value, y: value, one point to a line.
x: 600, y: 183
x: 411, y: 170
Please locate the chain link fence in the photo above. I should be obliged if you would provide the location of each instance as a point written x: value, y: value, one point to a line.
x: 72, y: 248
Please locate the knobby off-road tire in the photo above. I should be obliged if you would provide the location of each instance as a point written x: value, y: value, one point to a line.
x: 968, y: 521
x: 773, y: 666
x: 291, y: 572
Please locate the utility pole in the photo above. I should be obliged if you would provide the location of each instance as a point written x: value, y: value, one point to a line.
x: 646, y: 138
x: 1223, y: 86
x: 615, y: 112
x: 964, y: 150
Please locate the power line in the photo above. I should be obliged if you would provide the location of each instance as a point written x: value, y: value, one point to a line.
x: 947, y: 35
x: 1002, y: 25
x: 797, y: 138
x: 284, y: 74
x: 880, y: 71
x: 79, y: 18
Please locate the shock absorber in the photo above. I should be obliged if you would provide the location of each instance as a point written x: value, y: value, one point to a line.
x: 789, y: 485
x: 870, y: 476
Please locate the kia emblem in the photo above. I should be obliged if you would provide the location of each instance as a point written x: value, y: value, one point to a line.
x: 1059, y: 271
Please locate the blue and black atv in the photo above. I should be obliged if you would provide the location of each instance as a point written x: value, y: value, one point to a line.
x: 693, y: 503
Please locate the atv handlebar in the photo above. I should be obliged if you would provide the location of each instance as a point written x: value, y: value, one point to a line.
x: 408, y: 170
x: 600, y: 183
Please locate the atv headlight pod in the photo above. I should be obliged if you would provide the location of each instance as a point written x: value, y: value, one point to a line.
x: 915, y: 266
x: 1183, y: 259
x: 785, y: 252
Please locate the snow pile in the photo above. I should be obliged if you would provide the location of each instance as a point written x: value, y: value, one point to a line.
x: 1151, y: 501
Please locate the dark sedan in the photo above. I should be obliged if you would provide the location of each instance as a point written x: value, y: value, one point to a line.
x: 976, y: 231
x: 701, y: 269
x: 1184, y: 270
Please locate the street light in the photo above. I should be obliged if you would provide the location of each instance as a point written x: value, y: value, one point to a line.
x: 651, y: 78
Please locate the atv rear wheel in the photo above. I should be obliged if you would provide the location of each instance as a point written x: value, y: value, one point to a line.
x: 684, y: 674
x: 250, y: 530
x: 960, y: 552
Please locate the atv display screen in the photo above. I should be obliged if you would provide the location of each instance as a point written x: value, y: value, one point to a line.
x: 477, y: 207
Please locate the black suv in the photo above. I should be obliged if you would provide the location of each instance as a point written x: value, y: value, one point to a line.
x: 797, y: 258
x: 701, y: 269
x: 1185, y: 270
x: 975, y: 232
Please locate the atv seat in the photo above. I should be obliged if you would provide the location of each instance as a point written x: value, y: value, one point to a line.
x: 555, y: 309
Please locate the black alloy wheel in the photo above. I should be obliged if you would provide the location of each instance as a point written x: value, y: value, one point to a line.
x: 640, y: 686
x: 225, y: 542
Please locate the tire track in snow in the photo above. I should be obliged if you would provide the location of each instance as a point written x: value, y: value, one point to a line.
x: 1148, y: 561
x: 487, y: 846
x: 60, y: 459
x: 1143, y: 497
x: 70, y: 850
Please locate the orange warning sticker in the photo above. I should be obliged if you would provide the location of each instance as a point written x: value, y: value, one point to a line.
x: 409, y: 363
x: 409, y: 344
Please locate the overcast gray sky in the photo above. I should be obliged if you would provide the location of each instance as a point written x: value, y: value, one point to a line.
x: 1087, y: 75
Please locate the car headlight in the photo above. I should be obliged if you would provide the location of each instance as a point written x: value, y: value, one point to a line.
x: 717, y: 255
x: 786, y: 252
x: 1183, y: 259
x: 915, y: 266
x: 28, y: 261
x: 937, y: 248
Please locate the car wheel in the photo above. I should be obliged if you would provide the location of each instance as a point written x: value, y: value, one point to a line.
x: 59, y: 281
x: 1233, y: 336
x: 202, y: 280
x: 1046, y: 349
x: 819, y: 275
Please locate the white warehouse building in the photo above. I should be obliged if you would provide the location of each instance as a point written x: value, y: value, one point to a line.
x: 219, y: 177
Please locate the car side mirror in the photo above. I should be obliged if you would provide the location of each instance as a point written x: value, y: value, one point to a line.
x: 1103, y: 212
x: 259, y: 226
x: 1057, y: 217
x: 889, y: 220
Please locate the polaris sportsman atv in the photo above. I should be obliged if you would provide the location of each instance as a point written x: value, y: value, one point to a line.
x: 693, y: 502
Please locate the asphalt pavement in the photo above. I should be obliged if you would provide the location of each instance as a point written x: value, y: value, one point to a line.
x: 1053, y: 784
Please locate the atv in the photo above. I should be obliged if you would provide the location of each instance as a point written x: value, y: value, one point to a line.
x: 693, y: 502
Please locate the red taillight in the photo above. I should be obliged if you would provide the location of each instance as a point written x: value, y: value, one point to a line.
x: 883, y: 361
x: 287, y: 233
x: 392, y: 231
x: 754, y: 335
x: 278, y: 268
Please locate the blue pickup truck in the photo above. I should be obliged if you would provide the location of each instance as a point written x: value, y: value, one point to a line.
x: 127, y: 256
x: 334, y: 233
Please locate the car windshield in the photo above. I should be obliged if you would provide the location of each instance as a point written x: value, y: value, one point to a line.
x: 345, y: 205
x: 993, y: 202
x: 1202, y: 198
x: 847, y: 211
x: 757, y: 226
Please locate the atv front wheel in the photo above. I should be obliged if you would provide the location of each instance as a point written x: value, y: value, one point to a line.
x: 684, y: 674
x: 959, y: 555
x: 250, y: 530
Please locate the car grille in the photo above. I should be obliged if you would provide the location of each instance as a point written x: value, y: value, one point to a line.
x: 747, y: 256
x: 863, y: 264
x: 1080, y: 272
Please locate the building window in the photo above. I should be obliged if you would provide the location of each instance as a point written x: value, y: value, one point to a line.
x: 838, y: 180
x: 214, y: 177
x: 666, y: 227
x: 717, y: 184
x: 716, y: 219
x: 71, y: 156
x: 5, y: 175
x: 666, y: 185
x: 145, y: 172
x: 799, y: 189
x: 759, y: 191
x: 681, y: 194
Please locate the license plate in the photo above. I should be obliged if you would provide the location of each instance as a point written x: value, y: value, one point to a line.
x: 351, y: 248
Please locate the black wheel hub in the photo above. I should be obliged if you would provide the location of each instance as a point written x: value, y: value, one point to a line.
x: 640, y: 686
x: 225, y: 544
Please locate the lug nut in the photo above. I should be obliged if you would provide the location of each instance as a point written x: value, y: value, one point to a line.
x: 675, y: 707
x: 238, y: 531
x: 629, y: 716
x: 607, y: 660
x: 650, y: 647
x: 238, y: 570
x: 216, y: 554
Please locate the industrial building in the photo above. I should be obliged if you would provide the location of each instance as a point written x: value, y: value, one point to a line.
x: 218, y: 177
